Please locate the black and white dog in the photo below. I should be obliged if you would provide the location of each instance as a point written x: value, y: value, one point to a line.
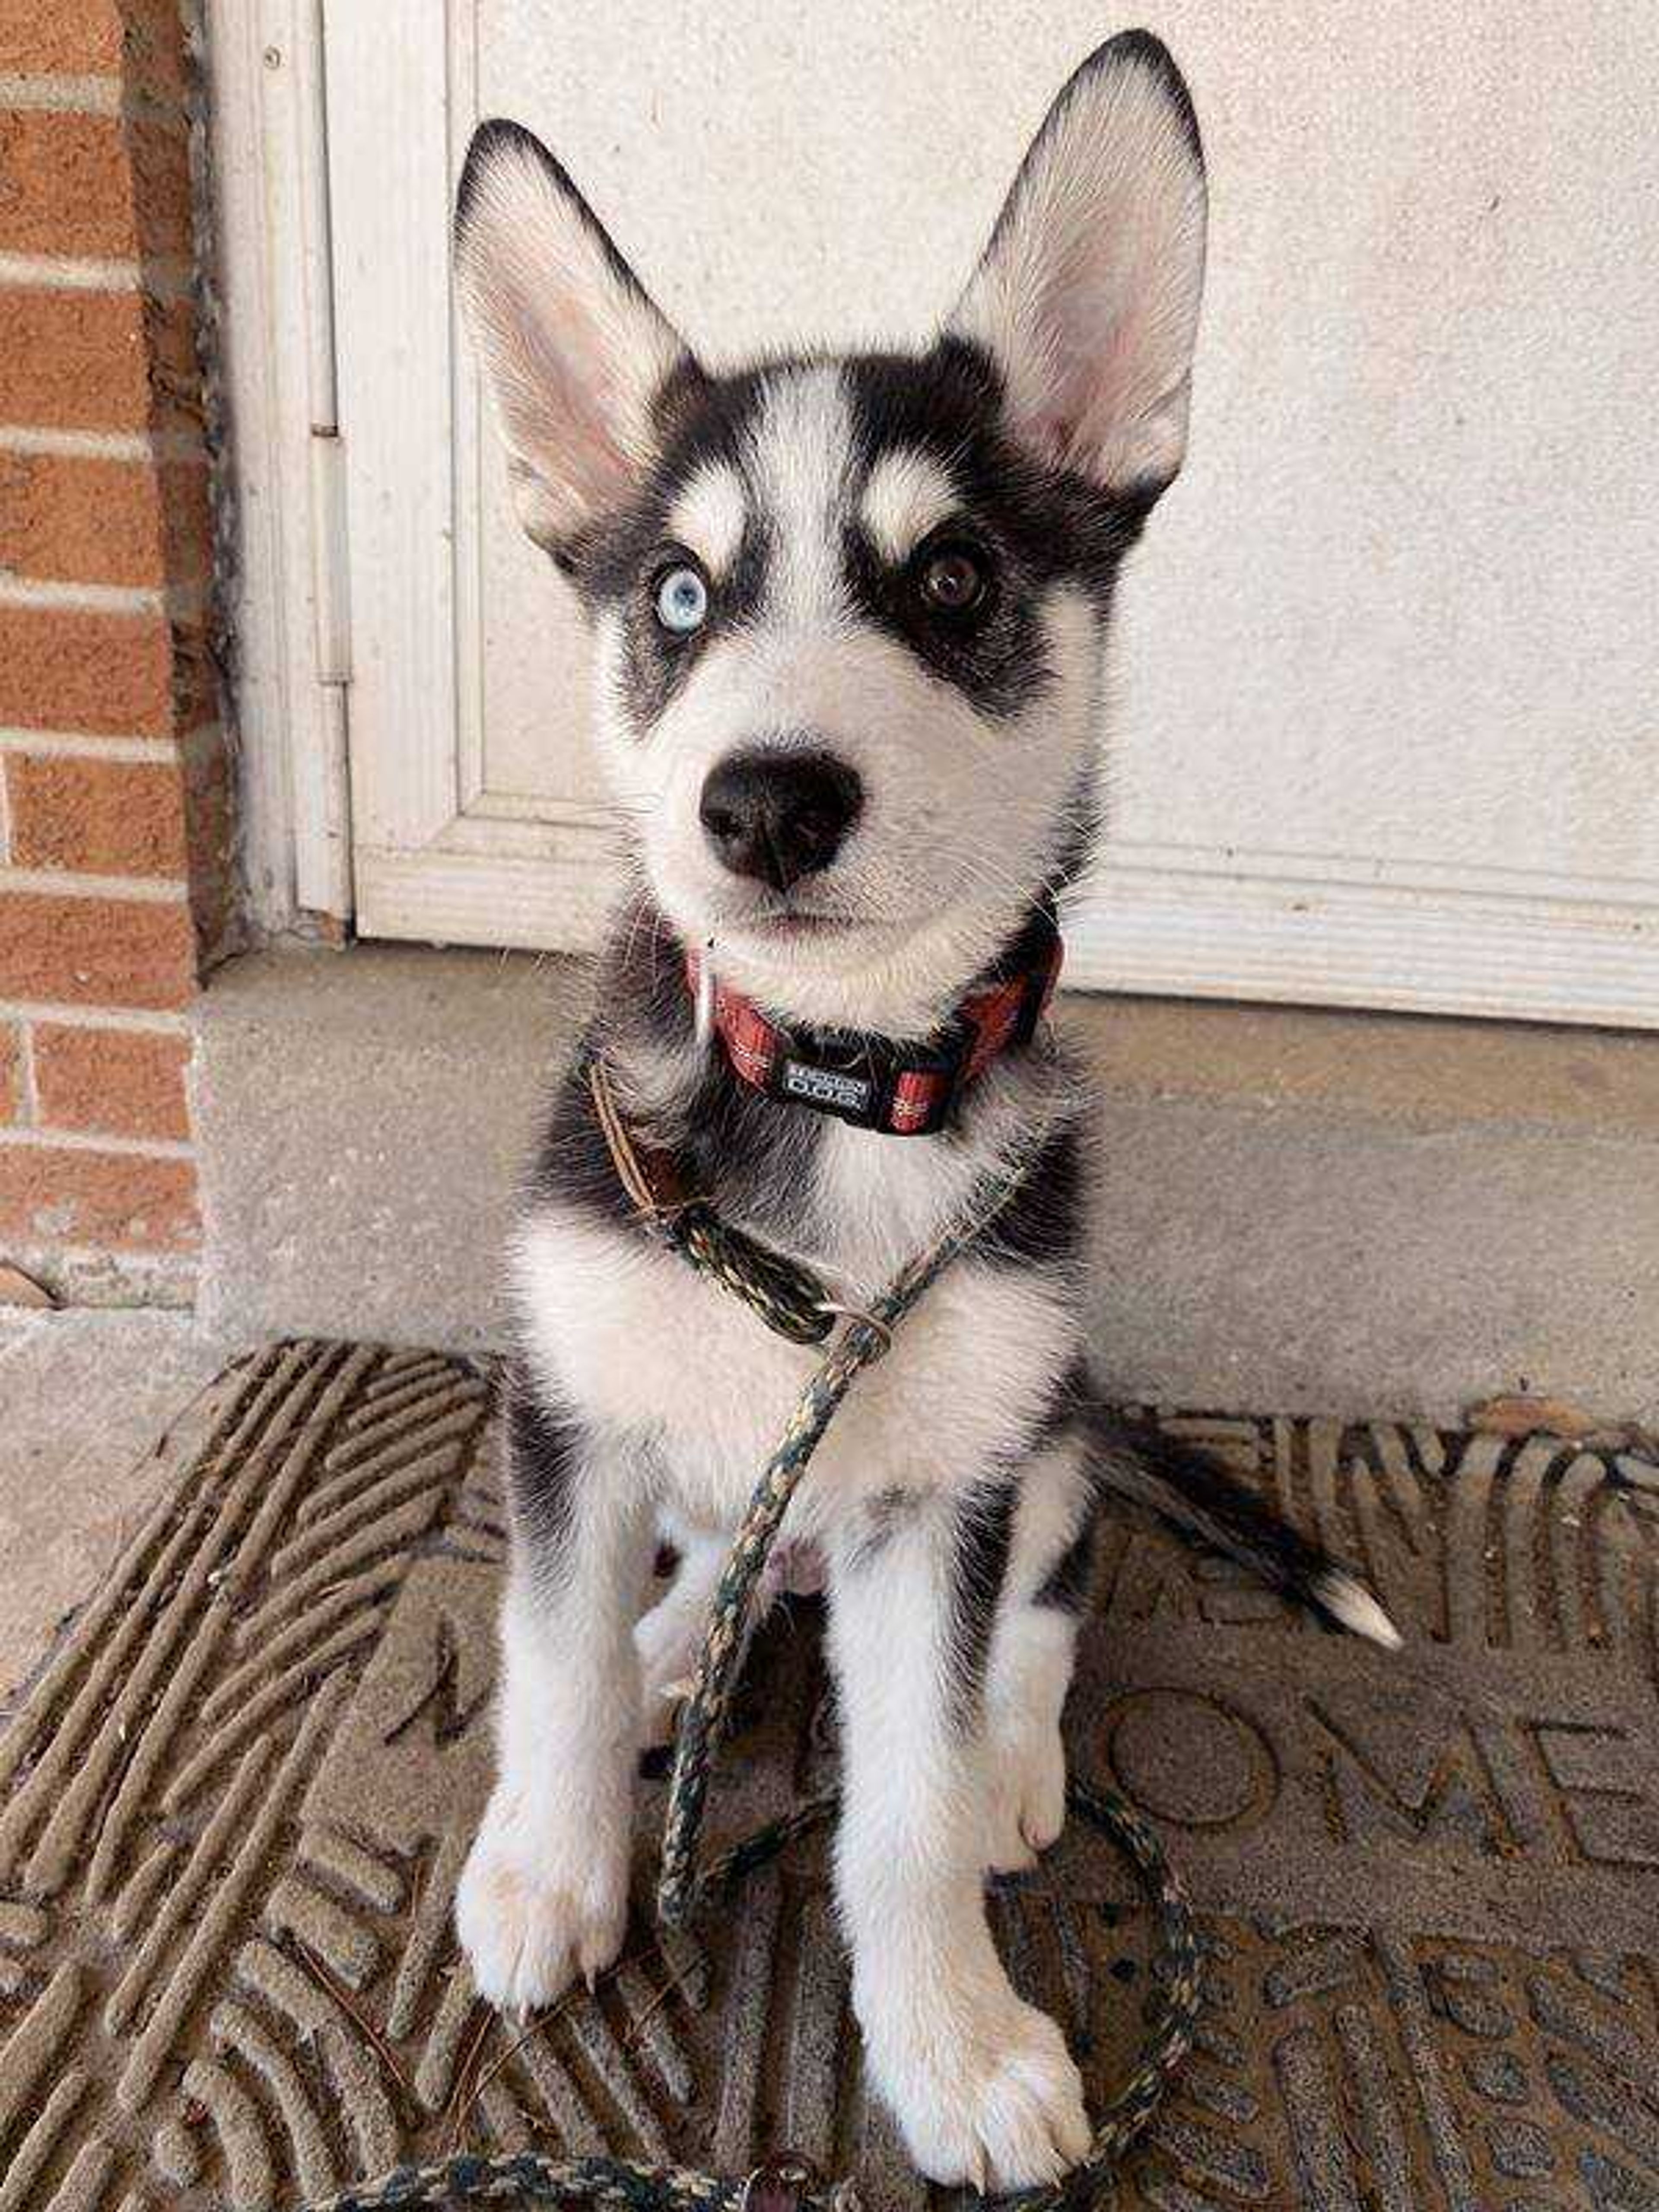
x: 849, y: 616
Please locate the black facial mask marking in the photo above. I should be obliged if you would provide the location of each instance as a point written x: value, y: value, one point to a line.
x: 1040, y: 527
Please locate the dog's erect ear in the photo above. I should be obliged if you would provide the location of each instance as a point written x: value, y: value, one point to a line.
x: 1086, y: 298
x: 573, y: 350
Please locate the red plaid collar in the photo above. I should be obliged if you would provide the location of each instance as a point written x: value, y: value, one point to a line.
x: 904, y: 1090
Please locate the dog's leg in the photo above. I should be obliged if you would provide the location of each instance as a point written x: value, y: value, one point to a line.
x: 981, y: 2081
x: 1032, y: 1650
x: 544, y: 1896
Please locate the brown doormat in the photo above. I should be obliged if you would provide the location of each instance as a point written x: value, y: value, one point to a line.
x: 236, y: 1802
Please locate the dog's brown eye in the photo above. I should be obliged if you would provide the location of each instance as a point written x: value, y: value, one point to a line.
x: 952, y: 579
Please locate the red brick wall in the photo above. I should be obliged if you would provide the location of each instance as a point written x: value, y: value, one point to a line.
x: 114, y: 863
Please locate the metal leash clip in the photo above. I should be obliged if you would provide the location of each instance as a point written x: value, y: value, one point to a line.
x: 778, y: 2184
x: 861, y: 1320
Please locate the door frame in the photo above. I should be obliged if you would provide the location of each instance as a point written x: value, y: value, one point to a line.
x: 283, y: 512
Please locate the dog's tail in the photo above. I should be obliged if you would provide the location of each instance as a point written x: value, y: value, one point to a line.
x: 1198, y: 1494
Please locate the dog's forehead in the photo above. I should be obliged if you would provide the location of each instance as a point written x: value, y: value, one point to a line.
x: 800, y: 450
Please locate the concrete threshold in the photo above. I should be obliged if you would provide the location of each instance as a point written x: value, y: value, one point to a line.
x: 1356, y: 1214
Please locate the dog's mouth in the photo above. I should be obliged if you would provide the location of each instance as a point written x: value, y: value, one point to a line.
x: 784, y: 925
x: 806, y: 924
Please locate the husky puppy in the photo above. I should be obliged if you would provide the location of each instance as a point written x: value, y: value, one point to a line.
x: 848, y: 614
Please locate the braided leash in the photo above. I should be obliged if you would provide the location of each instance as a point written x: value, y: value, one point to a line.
x: 523, y: 2176
x: 788, y: 1298
x: 791, y: 1301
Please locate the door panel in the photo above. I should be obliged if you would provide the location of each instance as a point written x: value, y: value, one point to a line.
x: 1383, y: 689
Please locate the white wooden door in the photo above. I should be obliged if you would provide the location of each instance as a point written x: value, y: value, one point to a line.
x: 1386, y: 684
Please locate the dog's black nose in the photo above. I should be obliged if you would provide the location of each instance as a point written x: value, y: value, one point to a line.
x: 778, y: 816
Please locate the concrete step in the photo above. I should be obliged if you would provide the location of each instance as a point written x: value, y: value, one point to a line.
x: 1344, y: 1213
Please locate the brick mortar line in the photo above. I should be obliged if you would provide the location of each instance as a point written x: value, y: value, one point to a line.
x: 71, y: 96
x: 165, y: 276
x: 77, y: 882
x: 38, y: 1139
x: 29, y: 1088
x: 128, y: 100
x: 44, y: 592
x: 75, y: 744
x: 89, y: 743
x: 127, y: 1262
x: 176, y: 602
x: 152, y: 448
x: 127, y: 1020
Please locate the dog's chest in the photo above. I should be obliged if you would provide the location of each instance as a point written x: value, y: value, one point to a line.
x: 637, y: 1340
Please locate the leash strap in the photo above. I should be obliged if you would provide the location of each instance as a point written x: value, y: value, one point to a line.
x: 789, y: 1298
x: 703, y: 1718
x: 681, y: 1891
x: 791, y: 2186
x: 528, y: 2177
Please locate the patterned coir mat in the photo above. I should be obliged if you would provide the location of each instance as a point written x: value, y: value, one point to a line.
x: 236, y: 1802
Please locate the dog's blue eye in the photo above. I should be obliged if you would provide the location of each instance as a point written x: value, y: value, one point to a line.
x: 682, y: 601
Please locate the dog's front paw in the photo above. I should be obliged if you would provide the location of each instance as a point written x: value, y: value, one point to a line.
x: 531, y: 1920
x: 1025, y: 1796
x: 998, y: 2106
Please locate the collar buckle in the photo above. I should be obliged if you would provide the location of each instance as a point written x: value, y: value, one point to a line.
x: 871, y: 1083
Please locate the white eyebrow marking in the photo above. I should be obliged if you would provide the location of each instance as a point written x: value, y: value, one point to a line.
x: 908, y: 494
x: 709, y: 513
